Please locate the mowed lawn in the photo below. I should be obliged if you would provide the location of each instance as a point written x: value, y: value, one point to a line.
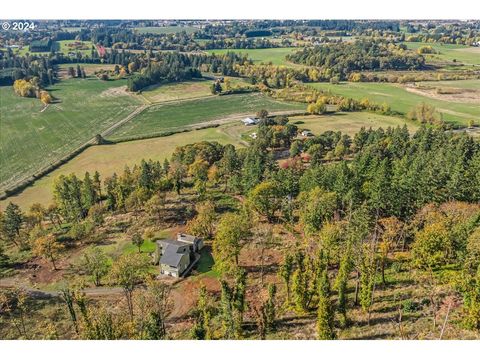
x: 274, y: 55
x: 402, y: 100
x: 467, y: 55
x: 32, y: 138
x: 176, y: 116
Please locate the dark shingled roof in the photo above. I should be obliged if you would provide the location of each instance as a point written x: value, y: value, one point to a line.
x: 171, y: 257
x: 173, y: 243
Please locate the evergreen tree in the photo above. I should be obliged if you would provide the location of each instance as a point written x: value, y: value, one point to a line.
x: 11, y: 223
x: 285, y: 272
x: 325, y: 312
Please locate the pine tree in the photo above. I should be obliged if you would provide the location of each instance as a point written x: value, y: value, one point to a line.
x: 270, y: 308
x: 202, y: 328
x: 11, y: 223
x: 285, y: 272
x: 341, y: 284
x: 226, y: 308
x: 367, y: 281
x: 325, y: 312
x: 89, y: 195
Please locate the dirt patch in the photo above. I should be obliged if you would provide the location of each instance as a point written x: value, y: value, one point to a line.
x: 115, y: 91
x: 450, y: 94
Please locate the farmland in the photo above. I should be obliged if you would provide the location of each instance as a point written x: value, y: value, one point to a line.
x: 467, y: 55
x: 108, y: 159
x: 63, y: 46
x: 33, y: 137
x: 402, y: 100
x: 349, y: 123
x: 321, y: 218
x: 74, y: 46
x: 274, y: 55
x: 166, y: 29
x: 177, y: 116
x: 177, y: 91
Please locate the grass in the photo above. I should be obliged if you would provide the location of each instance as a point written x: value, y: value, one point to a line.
x: 402, y: 100
x: 31, y: 138
x: 459, y: 84
x: 177, y: 91
x: 274, y: 55
x: 349, y: 123
x: 65, y: 49
x: 166, y: 29
x: 108, y: 159
x: 205, y: 264
x: 177, y: 116
x: 148, y: 247
x: 467, y: 55
x: 60, y: 46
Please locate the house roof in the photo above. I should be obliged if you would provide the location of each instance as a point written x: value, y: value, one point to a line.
x: 171, y: 258
x: 186, y: 238
x: 249, y: 121
x: 171, y: 243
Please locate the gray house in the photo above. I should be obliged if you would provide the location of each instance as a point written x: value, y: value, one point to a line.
x: 175, y: 256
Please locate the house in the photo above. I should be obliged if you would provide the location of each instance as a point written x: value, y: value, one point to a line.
x: 250, y: 121
x: 175, y: 256
x: 307, y: 133
x: 195, y: 242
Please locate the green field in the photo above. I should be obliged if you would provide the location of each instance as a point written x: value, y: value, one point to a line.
x: 166, y: 29
x: 63, y: 47
x: 349, y: 123
x: 60, y: 46
x: 177, y: 91
x: 274, y: 55
x: 176, y: 116
x: 32, y: 138
x: 402, y: 100
x: 467, y: 55
x: 108, y: 159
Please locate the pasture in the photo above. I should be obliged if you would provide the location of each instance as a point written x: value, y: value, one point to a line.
x: 180, y: 115
x: 108, y: 159
x: 349, y: 123
x: 83, y: 47
x: 64, y: 46
x: 274, y: 55
x: 177, y: 91
x: 33, y: 136
x: 402, y: 100
x: 467, y: 55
